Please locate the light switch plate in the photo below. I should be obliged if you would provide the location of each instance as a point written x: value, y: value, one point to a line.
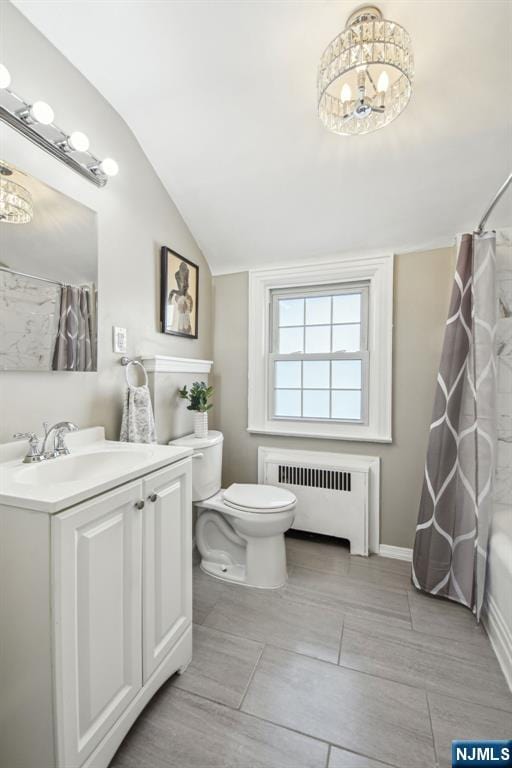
x: 119, y: 339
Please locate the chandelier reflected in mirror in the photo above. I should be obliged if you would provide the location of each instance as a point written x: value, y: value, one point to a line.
x: 15, y: 200
x: 365, y: 74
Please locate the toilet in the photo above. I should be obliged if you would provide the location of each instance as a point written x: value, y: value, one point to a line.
x: 239, y: 531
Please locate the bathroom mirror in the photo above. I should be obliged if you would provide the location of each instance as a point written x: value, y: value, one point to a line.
x: 48, y: 277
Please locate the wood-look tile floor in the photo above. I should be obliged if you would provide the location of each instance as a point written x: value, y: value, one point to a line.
x: 347, y: 666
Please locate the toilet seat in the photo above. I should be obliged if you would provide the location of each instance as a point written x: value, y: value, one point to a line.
x: 258, y: 499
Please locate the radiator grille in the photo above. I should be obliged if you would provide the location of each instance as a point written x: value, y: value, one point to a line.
x: 315, y: 478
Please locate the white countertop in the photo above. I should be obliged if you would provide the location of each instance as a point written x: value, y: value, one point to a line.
x: 32, y: 486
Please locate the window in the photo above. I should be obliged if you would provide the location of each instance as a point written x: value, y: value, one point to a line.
x: 318, y: 361
x: 320, y: 349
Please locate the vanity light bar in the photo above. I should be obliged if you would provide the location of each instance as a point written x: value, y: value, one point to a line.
x: 25, y: 118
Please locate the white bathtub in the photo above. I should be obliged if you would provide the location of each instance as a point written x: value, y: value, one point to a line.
x: 497, y: 615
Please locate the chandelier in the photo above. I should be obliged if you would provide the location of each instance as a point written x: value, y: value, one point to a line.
x: 15, y: 200
x: 365, y: 74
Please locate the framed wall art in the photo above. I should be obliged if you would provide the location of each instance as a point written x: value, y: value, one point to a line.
x: 179, y: 294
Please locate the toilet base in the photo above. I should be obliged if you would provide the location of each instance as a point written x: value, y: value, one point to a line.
x: 234, y: 573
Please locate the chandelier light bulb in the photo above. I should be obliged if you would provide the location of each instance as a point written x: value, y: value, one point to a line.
x: 383, y: 82
x: 42, y: 113
x: 346, y: 93
x: 5, y: 77
x: 109, y: 167
x: 78, y: 141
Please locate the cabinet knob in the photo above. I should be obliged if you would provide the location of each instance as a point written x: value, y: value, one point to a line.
x: 140, y: 504
x: 153, y: 497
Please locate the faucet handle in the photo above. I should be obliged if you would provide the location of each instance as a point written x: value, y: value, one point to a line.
x: 61, y: 448
x: 30, y: 436
x: 34, y: 450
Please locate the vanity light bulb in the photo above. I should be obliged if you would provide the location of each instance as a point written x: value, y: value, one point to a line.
x: 109, y: 167
x: 78, y: 141
x: 42, y: 113
x: 5, y: 77
x: 346, y: 92
x: 383, y: 82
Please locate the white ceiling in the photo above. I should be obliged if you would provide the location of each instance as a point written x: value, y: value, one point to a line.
x: 222, y: 98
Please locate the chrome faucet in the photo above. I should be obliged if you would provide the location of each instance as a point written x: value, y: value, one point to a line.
x: 59, y: 445
x: 38, y: 450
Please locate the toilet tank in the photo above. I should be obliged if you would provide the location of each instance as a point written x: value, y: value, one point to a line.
x: 206, y: 463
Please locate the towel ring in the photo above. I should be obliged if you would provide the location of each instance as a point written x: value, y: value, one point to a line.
x: 127, y: 363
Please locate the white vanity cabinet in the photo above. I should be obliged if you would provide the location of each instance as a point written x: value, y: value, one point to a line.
x: 116, y: 571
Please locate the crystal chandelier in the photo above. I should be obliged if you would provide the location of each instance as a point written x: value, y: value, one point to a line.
x: 365, y: 74
x: 15, y: 200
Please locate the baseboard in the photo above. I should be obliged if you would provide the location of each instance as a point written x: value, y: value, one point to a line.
x: 500, y: 637
x: 397, y: 553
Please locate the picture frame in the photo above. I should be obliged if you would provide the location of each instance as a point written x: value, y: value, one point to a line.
x: 179, y: 294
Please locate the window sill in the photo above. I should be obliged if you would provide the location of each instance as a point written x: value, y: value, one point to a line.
x: 367, y: 437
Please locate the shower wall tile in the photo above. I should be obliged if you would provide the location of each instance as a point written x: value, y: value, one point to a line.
x: 29, y: 315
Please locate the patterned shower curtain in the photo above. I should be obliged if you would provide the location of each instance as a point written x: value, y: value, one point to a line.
x: 450, y: 550
x: 75, y: 344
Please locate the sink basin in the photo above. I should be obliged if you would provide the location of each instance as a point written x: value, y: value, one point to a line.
x: 80, y: 467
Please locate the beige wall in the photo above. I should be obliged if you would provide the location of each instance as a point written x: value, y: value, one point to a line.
x: 422, y: 287
x: 135, y: 217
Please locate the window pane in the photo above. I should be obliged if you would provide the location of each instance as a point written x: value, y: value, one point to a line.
x: 291, y: 312
x: 287, y: 402
x: 291, y: 340
x: 346, y: 405
x: 287, y: 374
x: 347, y: 308
x: 346, y: 374
x: 346, y: 338
x: 318, y: 338
x: 316, y: 374
x: 315, y: 403
x: 318, y: 310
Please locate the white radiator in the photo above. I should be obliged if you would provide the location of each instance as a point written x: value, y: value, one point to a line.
x: 337, y: 494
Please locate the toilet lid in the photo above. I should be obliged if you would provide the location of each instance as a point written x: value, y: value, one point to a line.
x: 258, y: 498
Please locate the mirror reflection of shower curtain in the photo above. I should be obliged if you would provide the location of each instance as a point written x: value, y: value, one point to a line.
x: 450, y: 549
x: 75, y: 347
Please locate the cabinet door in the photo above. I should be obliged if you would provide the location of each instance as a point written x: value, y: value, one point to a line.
x: 167, y: 562
x: 97, y: 562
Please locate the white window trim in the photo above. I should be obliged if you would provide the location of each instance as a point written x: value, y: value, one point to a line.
x: 378, y: 271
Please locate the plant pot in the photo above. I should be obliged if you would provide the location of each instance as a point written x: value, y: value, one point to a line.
x: 200, y: 424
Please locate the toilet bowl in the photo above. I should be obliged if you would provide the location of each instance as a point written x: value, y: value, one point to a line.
x: 242, y: 543
x: 239, y: 531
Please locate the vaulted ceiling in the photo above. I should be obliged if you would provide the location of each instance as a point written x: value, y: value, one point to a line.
x: 222, y: 98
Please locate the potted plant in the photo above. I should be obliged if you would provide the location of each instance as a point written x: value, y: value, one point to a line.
x: 198, y: 396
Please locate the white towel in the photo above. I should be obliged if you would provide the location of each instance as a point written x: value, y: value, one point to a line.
x: 138, y: 424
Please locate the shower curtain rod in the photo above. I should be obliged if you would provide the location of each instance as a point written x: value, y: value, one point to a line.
x: 32, y: 277
x: 495, y: 199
